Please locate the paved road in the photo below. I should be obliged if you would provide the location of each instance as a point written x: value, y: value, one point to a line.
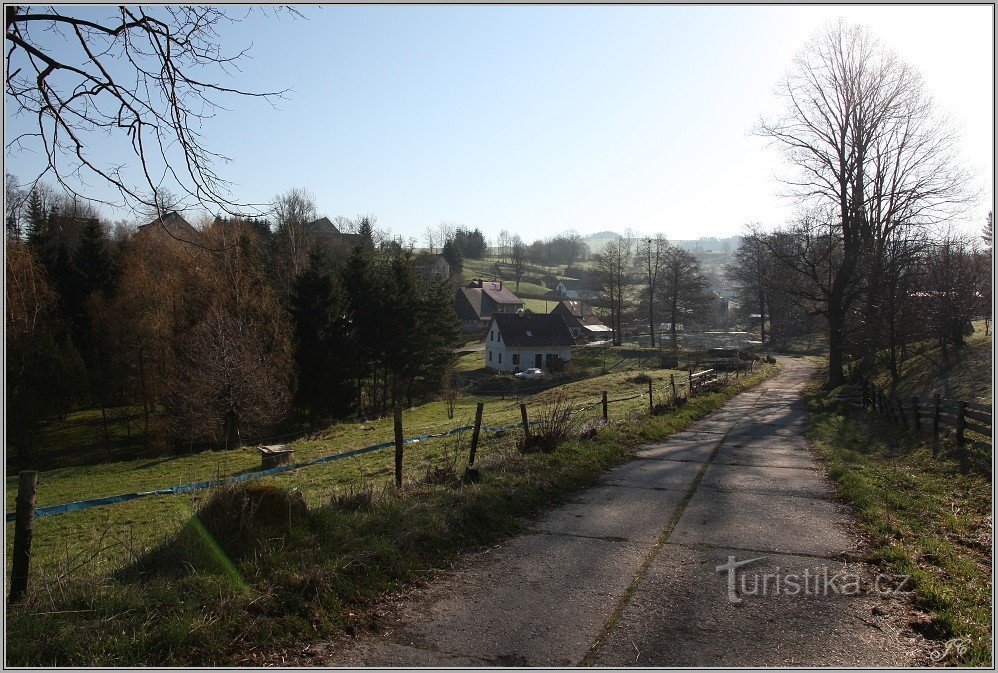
x: 627, y: 574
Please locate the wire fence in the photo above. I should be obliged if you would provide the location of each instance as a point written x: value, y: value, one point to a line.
x: 26, y: 512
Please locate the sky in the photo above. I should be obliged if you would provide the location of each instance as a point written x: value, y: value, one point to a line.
x: 538, y: 120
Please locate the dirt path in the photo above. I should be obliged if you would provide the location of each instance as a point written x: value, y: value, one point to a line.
x: 633, y: 572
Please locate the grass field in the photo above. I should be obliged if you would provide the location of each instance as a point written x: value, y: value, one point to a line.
x: 67, y: 540
x: 148, y: 585
x: 922, y: 515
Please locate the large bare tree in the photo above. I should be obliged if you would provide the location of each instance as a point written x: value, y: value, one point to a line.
x: 865, y: 146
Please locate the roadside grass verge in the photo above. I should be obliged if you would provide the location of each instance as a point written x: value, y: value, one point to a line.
x: 197, y: 599
x: 923, y: 518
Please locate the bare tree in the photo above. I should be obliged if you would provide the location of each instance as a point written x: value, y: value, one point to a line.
x: 650, y: 258
x: 293, y: 212
x: 14, y: 200
x: 750, y: 270
x: 612, y: 275
x: 954, y: 277
x: 861, y: 135
x: 149, y: 75
x: 234, y: 368
x: 430, y: 236
x: 518, y: 252
x: 445, y: 232
x: 682, y: 289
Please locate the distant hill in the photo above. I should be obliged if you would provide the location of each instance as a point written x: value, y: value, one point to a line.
x: 704, y: 245
x: 597, y: 240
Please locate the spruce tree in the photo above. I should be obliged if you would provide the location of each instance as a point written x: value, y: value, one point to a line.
x: 324, y: 347
x: 452, y: 253
x: 366, y: 233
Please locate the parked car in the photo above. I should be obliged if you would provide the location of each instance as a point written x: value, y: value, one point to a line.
x: 532, y: 373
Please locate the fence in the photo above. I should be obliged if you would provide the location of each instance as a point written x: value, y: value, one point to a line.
x: 934, y: 416
x: 26, y: 511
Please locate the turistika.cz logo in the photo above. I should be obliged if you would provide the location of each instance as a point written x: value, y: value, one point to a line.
x: 809, y: 582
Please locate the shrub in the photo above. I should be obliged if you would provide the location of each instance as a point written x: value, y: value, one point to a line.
x: 244, y: 513
x: 353, y: 500
x: 554, y: 426
x: 640, y: 378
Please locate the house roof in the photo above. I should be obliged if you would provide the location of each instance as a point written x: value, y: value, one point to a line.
x: 571, y: 284
x: 533, y: 329
x: 579, y: 310
x: 323, y: 228
x: 495, y: 291
x: 468, y: 303
x: 174, y: 223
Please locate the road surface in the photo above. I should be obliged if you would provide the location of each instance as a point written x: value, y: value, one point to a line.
x: 643, y: 569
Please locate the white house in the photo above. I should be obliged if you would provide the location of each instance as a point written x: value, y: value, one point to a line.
x: 516, y: 342
x: 574, y: 289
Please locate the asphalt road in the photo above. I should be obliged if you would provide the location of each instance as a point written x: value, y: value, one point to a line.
x: 634, y: 571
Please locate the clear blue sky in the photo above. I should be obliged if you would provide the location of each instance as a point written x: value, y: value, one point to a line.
x: 541, y: 119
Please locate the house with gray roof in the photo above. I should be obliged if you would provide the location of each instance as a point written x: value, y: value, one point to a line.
x: 482, y: 299
x: 514, y: 342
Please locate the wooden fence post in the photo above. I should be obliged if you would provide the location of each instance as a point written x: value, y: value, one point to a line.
x: 526, y: 423
x: 606, y: 414
x: 672, y: 382
x: 916, y: 421
x: 690, y: 394
x: 475, y: 433
x: 23, y: 528
x: 961, y: 423
x: 651, y: 403
x: 961, y: 440
x: 902, y: 418
x: 398, y: 446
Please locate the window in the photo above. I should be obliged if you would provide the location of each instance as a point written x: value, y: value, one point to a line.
x: 500, y: 358
x: 516, y: 358
x: 490, y: 356
x: 492, y: 336
x: 529, y: 333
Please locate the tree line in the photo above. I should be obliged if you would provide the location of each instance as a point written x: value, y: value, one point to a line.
x: 235, y: 328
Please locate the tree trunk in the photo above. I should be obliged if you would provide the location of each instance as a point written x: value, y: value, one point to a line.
x: 836, y: 347
x: 231, y: 430
x: 762, y: 318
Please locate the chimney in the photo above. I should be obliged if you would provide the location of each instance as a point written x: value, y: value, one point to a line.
x: 500, y: 285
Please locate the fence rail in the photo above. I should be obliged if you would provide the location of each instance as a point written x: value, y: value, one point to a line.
x: 932, y: 415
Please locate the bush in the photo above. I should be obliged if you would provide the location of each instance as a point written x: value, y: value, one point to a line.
x: 246, y: 513
x: 554, y: 426
x: 640, y: 378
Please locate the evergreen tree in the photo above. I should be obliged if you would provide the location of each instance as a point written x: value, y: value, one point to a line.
x: 366, y: 233
x: 92, y: 261
x: 452, y: 253
x: 324, y: 347
x: 437, y: 333
x: 37, y: 230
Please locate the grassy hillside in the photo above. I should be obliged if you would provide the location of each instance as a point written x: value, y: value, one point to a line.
x: 966, y: 375
x: 923, y: 516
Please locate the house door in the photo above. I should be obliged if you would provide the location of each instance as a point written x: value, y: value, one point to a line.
x: 538, y: 360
